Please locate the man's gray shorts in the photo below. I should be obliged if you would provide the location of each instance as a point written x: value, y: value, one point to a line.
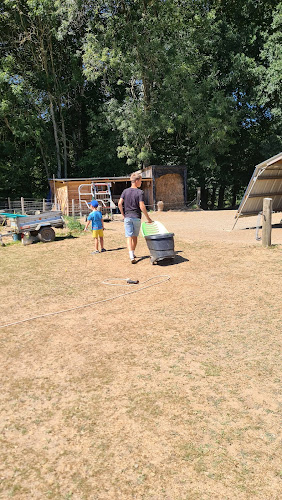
x: 131, y: 226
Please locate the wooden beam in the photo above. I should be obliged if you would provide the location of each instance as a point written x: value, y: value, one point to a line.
x: 270, y: 178
x: 265, y: 195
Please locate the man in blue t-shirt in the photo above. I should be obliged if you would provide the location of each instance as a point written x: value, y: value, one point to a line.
x: 131, y: 205
x: 97, y: 226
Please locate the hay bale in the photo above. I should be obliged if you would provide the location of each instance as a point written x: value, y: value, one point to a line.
x: 170, y: 189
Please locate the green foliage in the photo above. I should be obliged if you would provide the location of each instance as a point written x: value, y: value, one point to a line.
x: 102, y: 88
x: 73, y: 224
x: 270, y: 88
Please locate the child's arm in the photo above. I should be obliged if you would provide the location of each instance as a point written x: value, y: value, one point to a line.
x: 102, y: 220
x: 87, y: 224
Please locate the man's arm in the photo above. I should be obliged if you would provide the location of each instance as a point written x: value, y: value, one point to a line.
x: 120, y: 206
x: 144, y: 211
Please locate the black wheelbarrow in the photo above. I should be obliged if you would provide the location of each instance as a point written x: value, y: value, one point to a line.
x: 159, y: 241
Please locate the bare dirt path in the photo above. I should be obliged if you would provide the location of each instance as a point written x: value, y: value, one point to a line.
x: 217, y: 226
x: 170, y: 393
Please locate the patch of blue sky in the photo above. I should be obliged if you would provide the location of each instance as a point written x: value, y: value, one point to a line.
x: 249, y: 122
x: 16, y: 79
x: 44, y: 115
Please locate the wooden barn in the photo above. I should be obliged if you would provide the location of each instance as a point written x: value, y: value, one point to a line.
x: 160, y: 183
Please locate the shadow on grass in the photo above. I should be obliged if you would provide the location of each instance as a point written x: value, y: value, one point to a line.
x: 56, y: 240
x: 138, y: 259
x: 115, y: 249
x: 69, y: 236
x: 178, y: 259
x: 274, y: 226
x: 34, y: 240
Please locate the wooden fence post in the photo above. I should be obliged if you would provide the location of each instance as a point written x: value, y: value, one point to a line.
x: 44, y: 205
x: 198, y: 202
x: 22, y: 204
x: 72, y: 208
x: 9, y: 204
x: 266, y: 222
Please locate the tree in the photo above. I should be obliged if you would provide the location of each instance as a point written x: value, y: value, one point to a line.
x: 269, y: 88
x: 104, y: 87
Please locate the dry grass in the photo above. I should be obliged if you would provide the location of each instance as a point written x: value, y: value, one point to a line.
x: 167, y: 394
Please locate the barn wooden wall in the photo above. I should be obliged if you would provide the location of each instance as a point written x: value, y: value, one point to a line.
x: 147, y: 187
x: 160, y: 183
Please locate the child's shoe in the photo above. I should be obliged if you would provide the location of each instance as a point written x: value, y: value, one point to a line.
x: 95, y: 251
x: 103, y: 250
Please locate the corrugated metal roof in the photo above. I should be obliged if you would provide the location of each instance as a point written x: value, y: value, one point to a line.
x: 266, y: 182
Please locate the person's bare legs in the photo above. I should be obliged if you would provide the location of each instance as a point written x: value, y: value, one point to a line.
x: 101, y: 242
x: 96, y: 244
x: 131, y: 243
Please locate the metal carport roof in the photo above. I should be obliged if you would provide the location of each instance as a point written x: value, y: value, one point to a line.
x: 266, y: 182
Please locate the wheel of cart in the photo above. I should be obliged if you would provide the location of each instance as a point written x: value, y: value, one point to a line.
x: 46, y: 234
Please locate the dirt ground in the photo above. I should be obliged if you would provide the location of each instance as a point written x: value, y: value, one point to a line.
x: 167, y: 393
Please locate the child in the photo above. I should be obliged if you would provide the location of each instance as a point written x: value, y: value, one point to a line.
x: 97, y: 226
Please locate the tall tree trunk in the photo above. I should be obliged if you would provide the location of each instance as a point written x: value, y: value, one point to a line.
x: 234, y: 196
x: 213, y: 198
x: 58, y: 94
x: 64, y: 143
x: 55, y: 129
x: 44, y: 160
x: 204, y: 197
x: 221, y: 192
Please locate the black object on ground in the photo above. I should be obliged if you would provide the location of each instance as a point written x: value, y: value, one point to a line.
x: 161, y: 246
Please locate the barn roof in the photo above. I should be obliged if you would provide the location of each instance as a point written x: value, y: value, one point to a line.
x: 97, y: 179
x: 266, y: 182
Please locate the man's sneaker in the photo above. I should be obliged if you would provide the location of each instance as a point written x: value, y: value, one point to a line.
x: 133, y: 261
x: 95, y: 251
x: 103, y: 250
